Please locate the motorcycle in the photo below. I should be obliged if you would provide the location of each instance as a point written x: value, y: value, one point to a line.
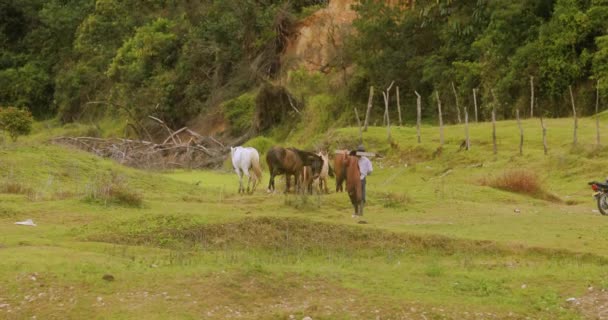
x: 601, y: 195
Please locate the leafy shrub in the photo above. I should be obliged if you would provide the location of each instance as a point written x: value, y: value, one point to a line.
x: 239, y: 112
x: 318, y: 115
x: 262, y: 144
x: 17, y: 122
x: 304, y: 84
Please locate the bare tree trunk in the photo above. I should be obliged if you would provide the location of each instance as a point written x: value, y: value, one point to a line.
x: 359, y: 125
x: 418, y: 114
x: 531, y: 97
x: 575, y: 138
x: 388, y: 121
x: 475, y: 101
x: 369, y: 107
x: 456, y: 99
x: 521, y: 134
x: 399, y: 107
x: 597, y: 115
x: 466, y: 129
x: 440, y: 119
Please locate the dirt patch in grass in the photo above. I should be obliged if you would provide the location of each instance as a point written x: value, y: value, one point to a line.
x: 252, y: 294
x: 593, y: 305
x: 520, y: 181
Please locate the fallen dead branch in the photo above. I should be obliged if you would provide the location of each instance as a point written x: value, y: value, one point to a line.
x: 197, y: 152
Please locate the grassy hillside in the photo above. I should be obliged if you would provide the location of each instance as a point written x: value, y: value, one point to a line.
x: 439, y: 241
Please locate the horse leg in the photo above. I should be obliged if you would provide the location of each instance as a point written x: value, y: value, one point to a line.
x: 271, y: 181
x: 255, y: 183
x: 246, y: 172
x: 238, y: 173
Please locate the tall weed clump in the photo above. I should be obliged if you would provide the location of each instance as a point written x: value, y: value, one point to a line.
x: 521, y: 181
x: 112, y: 189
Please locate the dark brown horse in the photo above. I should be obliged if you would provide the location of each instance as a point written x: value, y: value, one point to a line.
x: 353, y: 182
x: 339, y: 170
x: 290, y: 162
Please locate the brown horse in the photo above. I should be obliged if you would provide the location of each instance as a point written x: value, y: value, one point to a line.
x: 291, y: 161
x: 353, y: 182
x: 339, y: 170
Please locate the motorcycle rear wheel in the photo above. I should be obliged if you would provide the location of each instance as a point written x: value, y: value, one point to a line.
x: 602, y: 203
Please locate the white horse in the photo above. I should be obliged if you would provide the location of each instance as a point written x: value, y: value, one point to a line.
x: 321, y: 182
x: 243, y: 160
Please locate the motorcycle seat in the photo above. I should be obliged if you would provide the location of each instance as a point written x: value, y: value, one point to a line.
x: 601, y: 185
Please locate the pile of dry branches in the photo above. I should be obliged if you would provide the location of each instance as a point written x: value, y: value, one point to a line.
x: 183, y: 148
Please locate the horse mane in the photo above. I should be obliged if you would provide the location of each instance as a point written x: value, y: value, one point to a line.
x: 305, y: 156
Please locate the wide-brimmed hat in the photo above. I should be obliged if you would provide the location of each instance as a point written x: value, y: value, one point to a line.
x: 361, y: 148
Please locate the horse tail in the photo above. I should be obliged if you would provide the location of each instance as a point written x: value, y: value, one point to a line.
x: 257, y: 169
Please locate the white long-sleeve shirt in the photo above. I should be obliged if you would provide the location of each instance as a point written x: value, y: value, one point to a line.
x: 365, y: 167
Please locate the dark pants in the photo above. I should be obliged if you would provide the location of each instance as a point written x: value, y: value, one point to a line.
x: 363, y: 189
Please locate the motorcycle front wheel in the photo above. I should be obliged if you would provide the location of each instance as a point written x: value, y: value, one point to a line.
x: 602, y: 203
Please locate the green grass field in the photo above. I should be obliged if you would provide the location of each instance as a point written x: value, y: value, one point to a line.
x: 438, y: 242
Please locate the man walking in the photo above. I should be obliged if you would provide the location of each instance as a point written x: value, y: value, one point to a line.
x: 365, y: 167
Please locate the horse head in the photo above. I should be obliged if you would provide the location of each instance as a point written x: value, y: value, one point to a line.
x: 316, y: 164
x: 311, y: 159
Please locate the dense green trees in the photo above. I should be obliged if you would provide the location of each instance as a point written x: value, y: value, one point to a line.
x: 170, y: 58
x: 175, y: 58
x: 490, y: 45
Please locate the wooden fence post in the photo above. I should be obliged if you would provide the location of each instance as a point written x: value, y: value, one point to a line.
x: 456, y: 99
x: 597, y: 115
x: 418, y: 115
x: 359, y: 125
x: 521, y: 134
x: 542, y: 125
x: 440, y: 119
x: 531, y: 97
x: 494, y: 122
x: 369, y: 107
x: 575, y: 138
x: 399, y: 107
x: 386, y: 100
x: 388, y: 121
x: 466, y: 129
x: 494, y: 130
x: 475, y: 101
